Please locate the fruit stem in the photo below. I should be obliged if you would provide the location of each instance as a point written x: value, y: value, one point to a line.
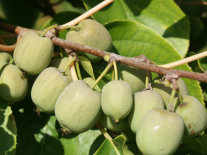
x: 72, y: 68
x: 147, y: 79
x: 47, y: 29
x: 171, y: 104
x: 103, y: 131
x: 76, y: 28
x: 70, y: 61
x: 180, y: 98
x: 102, y: 74
x: 115, y: 70
x: 113, y: 74
x: 107, y: 136
x: 78, y: 70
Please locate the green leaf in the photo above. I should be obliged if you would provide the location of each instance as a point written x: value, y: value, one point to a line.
x: 82, y: 144
x: 67, y: 6
x: 118, y: 147
x: 161, y: 16
x: 49, y: 139
x: 133, y: 39
x: 86, y: 64
x: 194, y: 145
x: 8, y: 131
x: 203, y: 61
x: 61, y: 18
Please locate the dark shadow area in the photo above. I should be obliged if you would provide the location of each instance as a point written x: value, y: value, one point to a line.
x: 6, y: 141
x: 11, y: 125
x: 139, y: 7
x: 20, y: 12
x: 178, y: 30
x: 96, y: 144
x: 76, y: 3
x: 52, y: 146
x: 28, y: 123
x: 133, y: 148
x: 5, y: 91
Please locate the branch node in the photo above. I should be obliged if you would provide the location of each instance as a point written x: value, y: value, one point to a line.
x: 113, y: 57
x: 68, y: 51
x: 172, y: 78
x: 143, y: 58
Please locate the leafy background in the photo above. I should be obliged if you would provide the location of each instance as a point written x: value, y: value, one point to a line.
x: 162, y: 30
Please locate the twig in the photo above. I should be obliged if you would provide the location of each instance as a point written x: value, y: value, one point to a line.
x: 86, y: 14
x: 8, y: 48
x: 185, y: 61
x: 134, y: 62
x: 8, y: 36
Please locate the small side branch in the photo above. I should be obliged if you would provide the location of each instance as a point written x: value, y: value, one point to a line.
x: 86, y: 14
x: 185, y: 61
x: 8, y: 48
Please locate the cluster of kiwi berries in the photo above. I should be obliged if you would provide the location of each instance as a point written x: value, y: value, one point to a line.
x: 122, y: 104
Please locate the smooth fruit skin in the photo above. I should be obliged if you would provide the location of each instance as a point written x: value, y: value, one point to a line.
x: 90, y: 81
x: 163, y: 90
x: 62, y: 65
x: 13, y: 84
x: 135, y: 77
x: 116, y: 99
x: 33, y: 53
x: 194, y: 115
x: 47, y: 88
x: 143, y: 102
x: 78, y: 107
x: 5, y: 58
x: 111, y: 125
x: 160, y: 132
x: 92, y: 34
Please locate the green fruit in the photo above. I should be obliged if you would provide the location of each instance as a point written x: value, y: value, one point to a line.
x: 93, y: 34
x: 90, y: 81
x: 160, y: 132
x: 182, y: 87
x: 5, y: 58
x: 78, y: 107
x: 116, y: 99
x: 33, y: 53
x: 194, y: 115
x: 13, y: 84
x: 135, y: 77
x: 143, y: 102
x: 47, y: 88
x: 165, y: 91
x: 62, y: 65
x: 111, y: 125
